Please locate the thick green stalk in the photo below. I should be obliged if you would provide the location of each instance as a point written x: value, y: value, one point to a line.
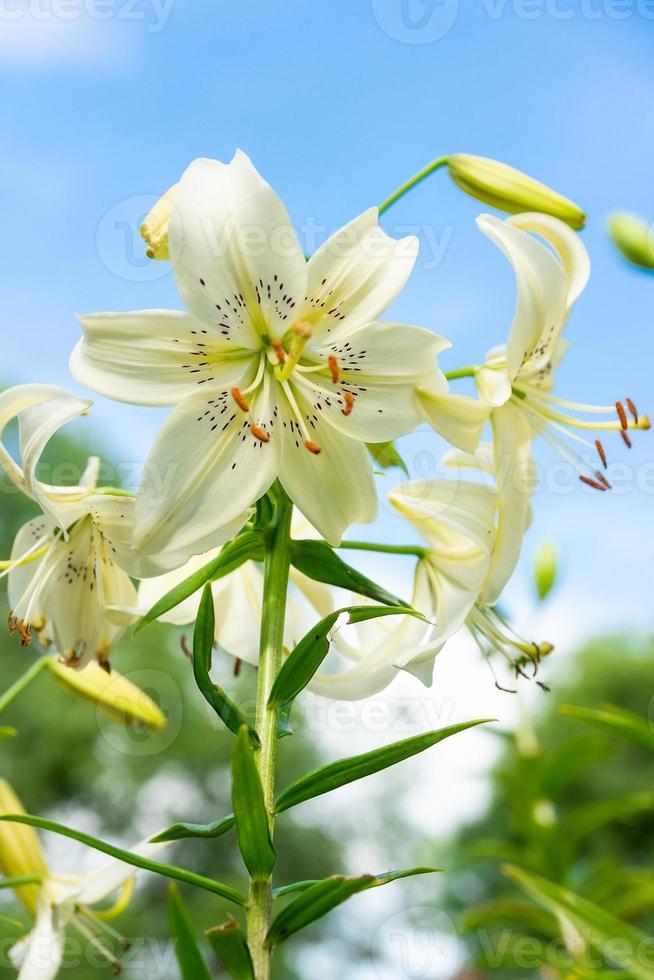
x: 276, y: 569
x: 410, y: 184
x: 465, y: 372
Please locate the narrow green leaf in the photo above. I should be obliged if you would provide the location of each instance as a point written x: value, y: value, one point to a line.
x: 296, y: 886
x: 192, y: 965
x: 322, y: 896
x: 590, y: 817
x: 616, y: 721
x: 252, y: 827
x: 387, y: 455
x: 356, y: 767
x: 203, y: 639
x: 284, y: 726
x: 298, y: 669
x: 620, y: 943
x: 231, y: 948
x: 206, y: 831
x: 248, y: 544
x: 147, y: 864
x: 320, y: 562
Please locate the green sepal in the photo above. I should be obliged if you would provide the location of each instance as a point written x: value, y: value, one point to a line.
x: 203, y: 640
x: 229, y: 944
x: 192, y: 965
x: 146, y: 864
x: 317, y: 560
x: 345, y: 771
x: 322, y: 896
x: 597, y: 926
x: 284, y: 726
x: 205, y: 831
x: 245, y: 546
x: 299, y: 668
x: 615, y: 721
x: 387, y: 455
x: 252, y: 827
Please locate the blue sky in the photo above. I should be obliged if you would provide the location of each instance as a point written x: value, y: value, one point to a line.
x: 337, y: 104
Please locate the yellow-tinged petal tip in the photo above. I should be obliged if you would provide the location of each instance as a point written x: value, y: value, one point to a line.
x: 154, y: 229
x: 112, y: 693
x: 20, y: 848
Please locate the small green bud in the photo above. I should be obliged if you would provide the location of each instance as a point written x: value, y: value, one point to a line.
x: 508, y: 189
x: 633, y: 238
x: 545, y: 569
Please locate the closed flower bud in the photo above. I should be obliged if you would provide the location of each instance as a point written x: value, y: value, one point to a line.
x: 633, y: 238
x: 20, y: 849
x: 155, y: 227
x: 545, y: 569
x: 508, y: 189
x: 111, y: 693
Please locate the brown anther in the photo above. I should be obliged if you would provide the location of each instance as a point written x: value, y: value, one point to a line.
x: 12, y: 623
x: 625, y: 438
x: 259, y: 433
x: 24, y: 632
x: 183, y: 642
x: 622, y: 415
x: 104, y: 664
x: 240, y: 400
x: 332, y: 363
x: 312, y: 447
x: 632, y: 408
x: 349, y: 403
x: 279, y: 351
x: 601, y: 453
x: 602, y: 479
x: 237, y: 667
x: 592, y: 483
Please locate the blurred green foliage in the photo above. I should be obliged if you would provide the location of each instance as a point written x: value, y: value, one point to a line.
x: 572, y: 803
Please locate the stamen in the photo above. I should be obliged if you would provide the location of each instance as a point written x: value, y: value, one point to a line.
x: 312, y: 447
x: 279, y: 351
x: 602, y: 479
x: 12, y: 623
x: 237, y: 667
x: 632, y: 408
x: 601, y: 453
x: 592, y: 483
x: 625, y: 438
x: 349, y: 403
x: 332, y: 363
x: 240, y: 400
x: 622, y: 415
x: 259, y: 433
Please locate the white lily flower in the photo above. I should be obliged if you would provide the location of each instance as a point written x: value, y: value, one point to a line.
x: 551, y: 271
x: 70, y: 567
x: 279, y: 369
x: 62, y: 901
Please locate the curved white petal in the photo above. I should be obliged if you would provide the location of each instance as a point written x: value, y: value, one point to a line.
x: 40, y: 954
x: 154, y: 357
x: 542, y: 293
x: 333, y: 489
x: 24, y: 401
x: 466, y: 508
x: 152, y: 589
x: 237, y: 260
x: 493, y: 387
x: 29, y: 542
x: 459, y: 419
x: 567, y: 244
x: 379, y: 366
x: 100, y: 884
x: 205, y: 470
x: 355, y: 275
x: 515, y: 482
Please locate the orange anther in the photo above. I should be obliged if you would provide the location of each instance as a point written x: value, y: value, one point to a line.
x: 279, y: 351
x: 349, y: 403
x: 622, y: 415
x: 259, y: 433
x: 312, y: 447
x: 332, y: 363
x: 240, y: 400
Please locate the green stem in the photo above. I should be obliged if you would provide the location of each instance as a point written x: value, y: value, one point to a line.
x: 277, y: 562
x: 465, y: 372
x: 388, y: 549
x: 413, y: 182
x: 24, y: 681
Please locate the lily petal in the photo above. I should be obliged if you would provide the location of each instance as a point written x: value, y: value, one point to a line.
x: 237, y: 261
x: 41, y: 953
x: 355, y: 275
x: 153, y: 357
x: 567, y: 244
x: 204, y: 472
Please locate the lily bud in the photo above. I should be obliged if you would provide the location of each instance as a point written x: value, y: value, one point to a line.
x: 508, y: 189
x: 155, y: 227
x: 633, y: 238
x: 20, y: 849
x: 545, y: 569
x: 111, y: 693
